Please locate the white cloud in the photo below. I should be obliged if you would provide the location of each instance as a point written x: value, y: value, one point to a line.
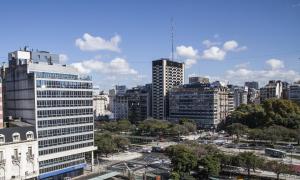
x: 190, y: 62
x: 275, y: 63
x: 232, y: 45
x: 117, y: 66
x: 94, y: 43
x: 187, y: 52
x: 240, y: 75
x: 63, y: 58
x: 214, y: 53
x: 242, y: 65
x: 209, y: 43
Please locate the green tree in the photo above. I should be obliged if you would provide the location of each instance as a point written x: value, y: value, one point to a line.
x: 256, y: 134
x: 183, y: 158
x: 249, y: 161
x: 271, y: 112
x: 121, y: 142
x: 124, y: 125
x: 175, y: 175
x: 211, y: 164
x: 278, y: 167
x: 190, y: 126
x: 237, y: 129
x: 177, y: 129
x: 105, y: 143
x: 153, y: 127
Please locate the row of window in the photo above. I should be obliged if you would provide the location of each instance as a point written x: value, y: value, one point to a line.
x: 16, y: 153
x: 61, y: 76
x: 65, y: 148
x: 69, y: 94
x: 49, y: 169
x: 16, y: 137
x: 64, y: 140
x: 64, y: 112
x: 61, y: 159
x: 63, y: 84
x: 64, y: 131
x: 63, y: 122
x: 64, y: 103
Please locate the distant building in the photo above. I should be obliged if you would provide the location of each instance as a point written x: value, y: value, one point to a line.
x: 58, y: 101
x: 118, y: 102
x: 139, y: 103
x: 274, y: 89
x: 1, y: 107
x: 18, y: 153
x: 294, y: 92
x: 198, y: 79
x: 240, y: 95
x: 253, y: 96
x: 101, y: 106
x: 205, y: 104
x: 166, y: 74
x: 252, y: 84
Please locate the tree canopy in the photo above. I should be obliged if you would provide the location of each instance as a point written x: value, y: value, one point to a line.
x: 271, y: 112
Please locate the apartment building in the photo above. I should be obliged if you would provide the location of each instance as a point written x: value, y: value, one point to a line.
x: 166, y: 74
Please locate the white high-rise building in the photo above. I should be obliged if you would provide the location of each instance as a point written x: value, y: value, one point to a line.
x: 58, y: 101
x: 166, y: 74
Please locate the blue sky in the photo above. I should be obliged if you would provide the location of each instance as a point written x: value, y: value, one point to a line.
x: 115, y: 41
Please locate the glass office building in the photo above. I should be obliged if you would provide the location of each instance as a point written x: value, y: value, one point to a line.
x: 58, y: 101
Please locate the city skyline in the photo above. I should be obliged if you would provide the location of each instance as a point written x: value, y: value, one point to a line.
x: 116, y: 42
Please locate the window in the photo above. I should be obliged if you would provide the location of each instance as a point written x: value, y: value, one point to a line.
x: 16, y: 137
x: 1, y: 155
x: 2, y: 138
x: 30, y: 151
x: 29, y: 135
x: 16, y: 153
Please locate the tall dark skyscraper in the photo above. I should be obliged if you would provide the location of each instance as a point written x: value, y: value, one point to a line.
x: 166, y: 74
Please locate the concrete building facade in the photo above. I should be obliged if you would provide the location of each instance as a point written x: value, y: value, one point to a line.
x: 198, y: 79
x: 294, y: 92
x: 205, y: 104
x: 252, y: 84
x: 101, y: 106
x: 139, y: 103
x: 274, y: 89
x: 58, y: 101
x: 166, y: 74
x: 118, y: 102
x: 18, y: 153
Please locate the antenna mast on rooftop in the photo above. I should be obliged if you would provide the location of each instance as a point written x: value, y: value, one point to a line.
x: 172, y: 37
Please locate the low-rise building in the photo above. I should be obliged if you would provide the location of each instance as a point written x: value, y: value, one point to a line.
x: 18, y: 153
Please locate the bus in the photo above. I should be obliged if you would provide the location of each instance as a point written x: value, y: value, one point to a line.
x: 275, y: 153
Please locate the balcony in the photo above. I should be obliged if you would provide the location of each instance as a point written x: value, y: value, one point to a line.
x: 2, y: 162
x: 29, y: 157
x: 16, y: 159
